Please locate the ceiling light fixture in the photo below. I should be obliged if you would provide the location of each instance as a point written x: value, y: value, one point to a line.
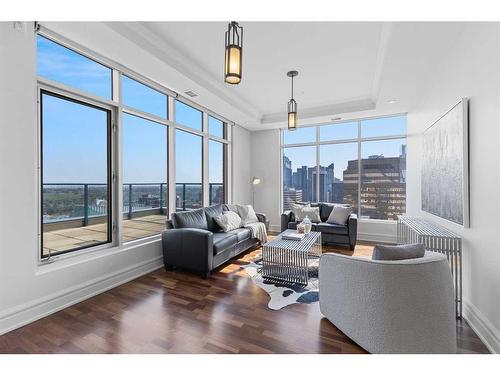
x: 292, y: 104
x: 233, y: 53
x: 392, y: 101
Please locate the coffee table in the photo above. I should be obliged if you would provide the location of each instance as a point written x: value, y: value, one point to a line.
x: 288, y: 260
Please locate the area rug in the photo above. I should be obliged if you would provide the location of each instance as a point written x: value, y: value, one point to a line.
x: 283, y: 294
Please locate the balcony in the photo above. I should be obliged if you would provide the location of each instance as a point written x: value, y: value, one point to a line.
x: 75, y: 214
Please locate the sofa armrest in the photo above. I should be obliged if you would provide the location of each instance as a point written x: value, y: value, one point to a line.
x: 189, y: 248
x: 352, y: 229
x: 263, y: 219
x: 286, y: 217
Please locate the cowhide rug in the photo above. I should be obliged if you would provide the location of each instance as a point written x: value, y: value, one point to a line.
x: 283, y: 294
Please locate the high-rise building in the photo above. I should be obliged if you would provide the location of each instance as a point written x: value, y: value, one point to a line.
x: 291, y: 196
x: 287, y: 172
x: 383, y: 187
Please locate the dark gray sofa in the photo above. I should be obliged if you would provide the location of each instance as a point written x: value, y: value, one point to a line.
x: 194, y: 241
x: 331, y: 234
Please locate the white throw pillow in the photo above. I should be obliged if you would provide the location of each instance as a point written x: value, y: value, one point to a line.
x: 339, y: 215
x: 228, y: 221
x: 247, y: 214
x: 311, y: 212
x: 297, y: 208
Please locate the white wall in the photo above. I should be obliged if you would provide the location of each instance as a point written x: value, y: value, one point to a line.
x: 266, y: 164
x: 241, y: 165
x: 28, y: 290
x: 471, y: 68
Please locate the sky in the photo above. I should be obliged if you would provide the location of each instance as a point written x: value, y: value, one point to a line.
x: 74, y: 136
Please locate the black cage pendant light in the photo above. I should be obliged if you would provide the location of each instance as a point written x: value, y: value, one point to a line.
x: 233, y: 53
x: 292, y: 105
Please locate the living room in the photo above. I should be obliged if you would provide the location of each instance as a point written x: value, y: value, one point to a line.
x: 199, y: 186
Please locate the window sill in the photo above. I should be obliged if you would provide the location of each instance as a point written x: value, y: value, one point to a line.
x: 88, y: 255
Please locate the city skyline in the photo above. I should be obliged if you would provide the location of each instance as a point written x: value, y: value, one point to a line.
x: 383, y: 183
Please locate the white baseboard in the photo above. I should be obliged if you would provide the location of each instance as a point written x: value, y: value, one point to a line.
x: 377, y: 237
x: 26, y: 313
x: 486, y: 331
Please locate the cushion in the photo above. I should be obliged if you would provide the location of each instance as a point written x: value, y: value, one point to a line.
x: 210, y: 213
x: 325, y: 209
x: 331, y: 228
x: 398, y: 252
x: 224, y: 241
x: 190, y: 219
x: 296, y: 207
x: 339, y: 215
x: 228, y: 221
x: 311, y: 212
x: 231, y: 207
x: 242, y: 234
x: 247, y: 214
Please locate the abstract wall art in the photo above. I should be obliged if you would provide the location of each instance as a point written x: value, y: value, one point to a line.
x: 445, y: 166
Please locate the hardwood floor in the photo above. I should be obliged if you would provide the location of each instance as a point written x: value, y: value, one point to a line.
x: 178, y: 312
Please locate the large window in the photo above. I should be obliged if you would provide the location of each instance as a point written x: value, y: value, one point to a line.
x: 145, y: 190
x: 63, y: 65
x: 94, y: 117
x: 76, y: 191
x: 188, y: 171
x: 361, y: 163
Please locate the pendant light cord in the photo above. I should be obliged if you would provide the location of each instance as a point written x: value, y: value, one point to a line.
x: 292, y: 87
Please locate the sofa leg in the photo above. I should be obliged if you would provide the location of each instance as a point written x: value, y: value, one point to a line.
x: 205, y: 275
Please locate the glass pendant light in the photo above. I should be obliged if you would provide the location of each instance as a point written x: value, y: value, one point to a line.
x: 233, y: 53
x: 292, y: 105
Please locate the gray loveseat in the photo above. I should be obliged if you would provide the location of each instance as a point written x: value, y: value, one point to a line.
x: 194, y: 241
x: 331, y: 234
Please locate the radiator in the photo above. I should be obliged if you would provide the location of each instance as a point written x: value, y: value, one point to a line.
x: 438, y: 239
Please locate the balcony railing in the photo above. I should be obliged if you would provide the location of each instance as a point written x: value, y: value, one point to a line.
x: 84, y: 201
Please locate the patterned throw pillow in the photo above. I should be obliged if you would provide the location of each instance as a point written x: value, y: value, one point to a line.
x: 301, y: 211
x: 296, y: 208
x: 228, y: 221
x: 312, y: 213
x: 247, y: 214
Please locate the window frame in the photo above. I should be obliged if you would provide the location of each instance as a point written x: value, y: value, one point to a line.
x: 318, y: 143
x: 117, y: 107
x: 43, y: 89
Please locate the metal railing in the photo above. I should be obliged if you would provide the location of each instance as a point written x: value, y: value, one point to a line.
x: 86, y: 201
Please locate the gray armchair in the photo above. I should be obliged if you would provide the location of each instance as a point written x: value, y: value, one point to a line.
x: 404, y: 306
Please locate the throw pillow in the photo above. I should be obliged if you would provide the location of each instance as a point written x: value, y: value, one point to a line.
x: 247, y: 214
x: 312, y: 213
x: 398, y: 252
x: 339, y: 215
x: 228, y: 221
x: 296, y: 208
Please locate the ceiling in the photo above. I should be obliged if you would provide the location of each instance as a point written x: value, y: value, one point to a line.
x: 345, y: 69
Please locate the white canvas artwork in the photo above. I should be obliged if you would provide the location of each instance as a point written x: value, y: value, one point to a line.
x: 445, y: 167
